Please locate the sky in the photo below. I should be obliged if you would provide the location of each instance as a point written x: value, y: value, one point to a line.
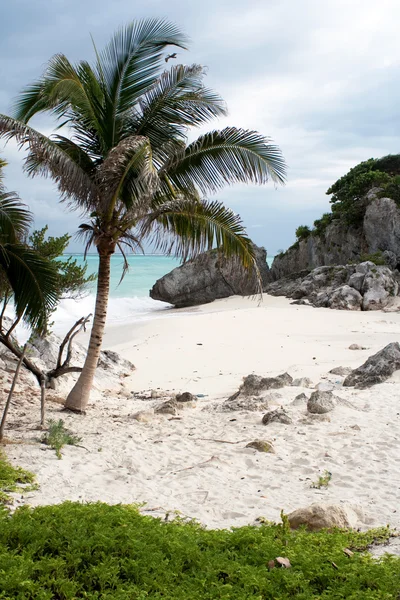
x: 319, y: 77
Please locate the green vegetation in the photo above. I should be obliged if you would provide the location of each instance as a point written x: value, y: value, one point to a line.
x: 302, y: 232
x: 72, y: 278
x: 377, y: 258
x: 321, y: 224
x: 26, y: 278
x: 127, y: 165
x: 11, y: 479
x: 95, y: 551
x: 348, y: 194
x: 58, y: 436
x: 323, y: 480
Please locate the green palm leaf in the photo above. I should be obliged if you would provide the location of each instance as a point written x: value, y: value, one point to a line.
x: 225, y: 157
x: 15, y: 219
x: 186, y: 227
x: 33, y: 280
x: 129, y: 165
x: 48, y: 157
x: 130, y: 65
x: 177, y: 100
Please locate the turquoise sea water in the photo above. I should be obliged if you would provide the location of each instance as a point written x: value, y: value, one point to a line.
x: 142, y: 274
x: 129, y: 299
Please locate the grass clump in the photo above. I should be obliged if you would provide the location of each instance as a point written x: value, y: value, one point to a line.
x: 99, y: 552
x: 11, y: 479
x: 377, y: 258
x: 58, y: 436
x: 323, y: 480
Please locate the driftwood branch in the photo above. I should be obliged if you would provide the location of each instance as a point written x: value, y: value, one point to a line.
x: 43, y: 385
x: 7, y: 406
x: 75, y: 329
x: 14, y: 349
x: 13, y: 326
x: 62, y: 368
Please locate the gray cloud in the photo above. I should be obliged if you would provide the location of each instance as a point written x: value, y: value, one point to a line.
x: 320, y: 78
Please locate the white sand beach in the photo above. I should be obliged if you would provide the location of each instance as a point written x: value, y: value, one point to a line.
x: 196, y: 463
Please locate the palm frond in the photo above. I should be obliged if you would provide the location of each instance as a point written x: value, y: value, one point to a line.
x: 129, y: 165
x: 34, y: 282
x: 47, y: 157
x: 131, y: 62
x: 61, y: 89
x: 224, y: 157
x: 15, y: 218
x: 186, y: 228
x: 178, y: 100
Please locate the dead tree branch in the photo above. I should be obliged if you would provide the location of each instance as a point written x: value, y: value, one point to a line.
x: 7, y: 406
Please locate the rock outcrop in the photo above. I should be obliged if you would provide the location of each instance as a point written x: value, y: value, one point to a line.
x: 376, y: 369
x: 341, y: 244
x: 365, y: 286
x: 208, y: 277
x: 320, y: 403
x: 111, y: 371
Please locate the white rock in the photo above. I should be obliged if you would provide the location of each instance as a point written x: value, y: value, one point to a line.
x: 144, y: 416
x: 321, y: 516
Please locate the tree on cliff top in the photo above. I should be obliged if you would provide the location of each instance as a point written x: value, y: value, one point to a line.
x: 127, y: 164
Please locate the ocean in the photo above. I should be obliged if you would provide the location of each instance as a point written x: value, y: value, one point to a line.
x: 129, y: 299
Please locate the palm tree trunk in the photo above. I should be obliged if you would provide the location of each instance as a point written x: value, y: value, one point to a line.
x: 79, y: 396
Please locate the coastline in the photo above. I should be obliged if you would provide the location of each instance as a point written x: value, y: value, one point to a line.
x: 197, y: 463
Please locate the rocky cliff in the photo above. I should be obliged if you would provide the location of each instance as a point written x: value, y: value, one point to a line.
x: 365, y: 286
x: 208, y: 277
x: 340, y: 244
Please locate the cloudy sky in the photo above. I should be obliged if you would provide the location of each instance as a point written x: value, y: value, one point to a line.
x: 320, y: 77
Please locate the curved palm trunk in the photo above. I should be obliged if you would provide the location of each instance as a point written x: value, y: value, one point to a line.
x: 79, y: 396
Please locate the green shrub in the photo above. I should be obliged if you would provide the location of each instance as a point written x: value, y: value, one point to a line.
x: 302, y: 232
x: 376, y: 258
x: 392, y: 190
x: 348, y: 192
x: 58, y: 436
x: 11, y: 479
x: 321, y: 224
x: 100, y: 552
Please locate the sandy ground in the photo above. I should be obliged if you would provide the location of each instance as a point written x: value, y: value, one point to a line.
x: 198, y: 464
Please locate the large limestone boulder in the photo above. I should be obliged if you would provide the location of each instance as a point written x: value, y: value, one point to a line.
x: 208, y: 277
x: 345, y: 298
x: 325, y: 516
x: 377, y: 368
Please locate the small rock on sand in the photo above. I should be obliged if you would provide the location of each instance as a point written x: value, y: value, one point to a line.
x: 254, y: 385
x: 302, y: 382
x: 341, y: 371
x: 186, y: 397
x: 325, y: 516
x: 377, y: 368
x: 277, y: 416
x: 300, y: 400
x: 169, y: 407
x: 144, y: 416
x: 262, y: 446
x: 356, y: 347
x: 320, y: 402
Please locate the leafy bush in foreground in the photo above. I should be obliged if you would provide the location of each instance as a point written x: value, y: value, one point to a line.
x: 73, y: 551
x: 11, y: 479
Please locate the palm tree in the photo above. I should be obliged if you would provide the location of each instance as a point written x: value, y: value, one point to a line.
x: 25, y: 277
x: 126, y: 162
